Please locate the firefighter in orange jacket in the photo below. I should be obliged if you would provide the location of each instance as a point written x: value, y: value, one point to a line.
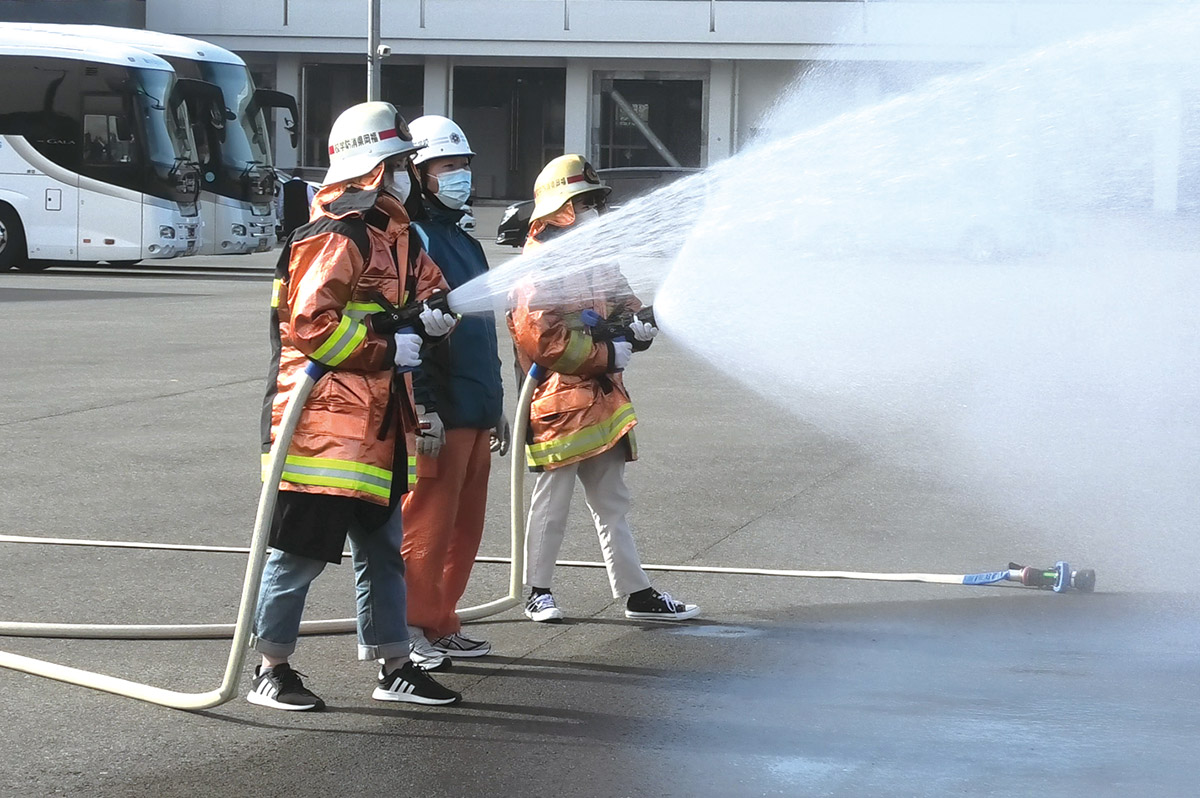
x: 348, y: 462
x: 581, y: 420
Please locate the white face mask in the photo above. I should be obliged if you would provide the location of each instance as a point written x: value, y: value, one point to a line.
x: 398, y: 184
x: 590, y: 215
x: 454, y: 188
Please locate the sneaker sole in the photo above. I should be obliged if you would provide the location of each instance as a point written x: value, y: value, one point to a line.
x: 663, y: 616
x: 466, y: 653
x: 443, y: 664
x: 409, y: 698
x: 262, y: 701
x: 555, y: 616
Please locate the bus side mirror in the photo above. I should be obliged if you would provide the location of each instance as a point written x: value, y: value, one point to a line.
x: 269, y: 98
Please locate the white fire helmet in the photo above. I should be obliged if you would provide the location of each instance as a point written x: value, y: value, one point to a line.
x: 443, y: 138
x: 364, y: 136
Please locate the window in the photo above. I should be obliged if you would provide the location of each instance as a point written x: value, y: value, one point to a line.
x: 104, y: 141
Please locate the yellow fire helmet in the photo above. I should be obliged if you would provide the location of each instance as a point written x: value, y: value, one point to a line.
x: 565, y: 177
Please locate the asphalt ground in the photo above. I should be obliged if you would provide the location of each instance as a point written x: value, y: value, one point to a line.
x: 131, y: 407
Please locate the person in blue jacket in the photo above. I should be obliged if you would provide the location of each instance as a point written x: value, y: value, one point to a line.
x: 460, y: 404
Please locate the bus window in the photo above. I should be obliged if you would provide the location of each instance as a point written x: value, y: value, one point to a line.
x: 106, y: 140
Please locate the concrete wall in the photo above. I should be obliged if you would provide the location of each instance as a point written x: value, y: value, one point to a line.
x: 723, y: 29
x: 125, y: 13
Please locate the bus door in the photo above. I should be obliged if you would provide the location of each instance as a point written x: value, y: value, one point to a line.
x: 110, y: 209
x: 56, y: 211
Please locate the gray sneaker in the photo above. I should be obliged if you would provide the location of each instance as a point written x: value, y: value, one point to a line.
x: 461, y: 644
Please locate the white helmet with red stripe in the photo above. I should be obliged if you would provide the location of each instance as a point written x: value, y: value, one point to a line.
x: 364, y: 136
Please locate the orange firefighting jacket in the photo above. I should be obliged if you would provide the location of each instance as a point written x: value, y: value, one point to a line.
x: 345, y: 440
x: 582, y: 409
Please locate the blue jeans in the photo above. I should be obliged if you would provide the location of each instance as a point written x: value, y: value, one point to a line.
x: 379, y: 581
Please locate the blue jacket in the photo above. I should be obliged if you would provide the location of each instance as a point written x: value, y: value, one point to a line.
x: 460, y: 377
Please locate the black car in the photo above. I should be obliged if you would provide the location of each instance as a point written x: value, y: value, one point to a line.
x: 626, y: 182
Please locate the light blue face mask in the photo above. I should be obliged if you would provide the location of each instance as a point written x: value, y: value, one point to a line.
x: 454, y: 188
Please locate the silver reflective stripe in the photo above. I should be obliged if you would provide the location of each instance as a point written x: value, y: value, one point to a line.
x: 339, y: 473
x: 341, y: 342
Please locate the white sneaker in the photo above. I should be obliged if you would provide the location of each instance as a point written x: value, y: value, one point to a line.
x: 422, y: 654
x: 460, y: 644
x: 541, y: 608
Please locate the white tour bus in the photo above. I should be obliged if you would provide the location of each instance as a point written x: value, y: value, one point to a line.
x: 230, y: 128
x: 97, y: 161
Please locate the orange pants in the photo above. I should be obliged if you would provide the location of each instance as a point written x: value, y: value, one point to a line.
x: 443, y: 524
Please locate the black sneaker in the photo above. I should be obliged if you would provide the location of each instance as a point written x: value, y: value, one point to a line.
x: 281, y: 688
x: 410, y: 683
x: 659, y: 607
x: 541, y: 608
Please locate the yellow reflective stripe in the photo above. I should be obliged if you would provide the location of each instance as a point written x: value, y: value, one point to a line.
x: 276, y: 292
x: 412, y: 470
x: 341, y: 343
x: 381, y: 475
x: 581, y: 442
x: 579, y: 346
x: 331, y: 473
x: 359, y: 310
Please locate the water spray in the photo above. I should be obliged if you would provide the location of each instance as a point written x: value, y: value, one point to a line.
x: 1048, y: 148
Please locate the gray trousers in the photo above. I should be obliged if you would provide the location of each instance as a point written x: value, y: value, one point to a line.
x: 608, y: 498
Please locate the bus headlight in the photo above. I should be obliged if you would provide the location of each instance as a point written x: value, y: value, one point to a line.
x: 166, y: 231
x: 238, y: 229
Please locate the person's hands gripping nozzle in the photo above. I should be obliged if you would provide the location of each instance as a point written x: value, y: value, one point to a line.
x: 643, y: 331
x: 431, y: 319
x: 619, y: 329
x: 436, y: 322
x: 408, y: 350
x: 622, y: 351
x: 416, y: 322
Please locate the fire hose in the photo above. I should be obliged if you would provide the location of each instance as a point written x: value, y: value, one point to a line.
x: 1059, y: 578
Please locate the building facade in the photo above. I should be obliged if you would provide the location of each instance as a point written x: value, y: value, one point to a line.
x: 626, y: 82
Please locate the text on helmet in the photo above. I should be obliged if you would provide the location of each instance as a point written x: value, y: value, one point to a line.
x: 354, y: 142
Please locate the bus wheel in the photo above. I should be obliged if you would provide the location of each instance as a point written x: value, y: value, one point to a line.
x: 12, y: 239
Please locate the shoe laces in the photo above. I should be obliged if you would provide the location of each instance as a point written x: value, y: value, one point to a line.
x: 422, y: 646
x: 289, y: 679
x: 672, y: 604
x: 542, y: 601
x: 417, y: 677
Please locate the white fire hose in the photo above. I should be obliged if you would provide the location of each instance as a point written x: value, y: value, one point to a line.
x: 1060, y: 578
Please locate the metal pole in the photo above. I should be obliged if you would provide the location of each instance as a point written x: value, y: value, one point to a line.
x: 373, y: 59
x: 645, y: 130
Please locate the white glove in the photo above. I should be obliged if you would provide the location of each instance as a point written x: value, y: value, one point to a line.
x: 431, y: 434
x: 642, y: 330
x: 436, y: 322
x: 622, y: 351
x: 408, y: 350
x: 501, y: 437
